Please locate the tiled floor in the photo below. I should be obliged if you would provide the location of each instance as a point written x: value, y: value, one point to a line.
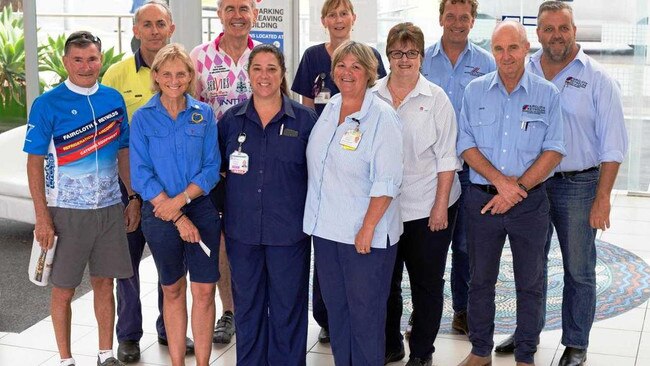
x: 620, y: 341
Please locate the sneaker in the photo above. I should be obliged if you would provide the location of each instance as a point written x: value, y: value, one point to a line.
x: 128, y: 351
x: 419, y: 362
x: 224, y: 329
x: 111, y: 361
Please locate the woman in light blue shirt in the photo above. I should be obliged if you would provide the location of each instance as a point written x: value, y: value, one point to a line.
x: 354, y: 160
x: 175, y: 161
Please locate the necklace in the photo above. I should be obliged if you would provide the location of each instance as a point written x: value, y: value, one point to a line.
x: 397, y: 101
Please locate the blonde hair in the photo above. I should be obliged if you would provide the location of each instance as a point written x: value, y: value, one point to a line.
x: 171, y: 52
x: 364, y: 55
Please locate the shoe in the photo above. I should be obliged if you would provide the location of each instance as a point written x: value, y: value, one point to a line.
x: 111, y: 361
x: 459, y: 323
x: 419, y: 362
x: 394, y: 356
x: 573, y: 357
x: 128, y: 351
x: 507, y: 346
x: 189, y: 344
x: 324, y: 336
x: 474, y: 360
x: 524, y: 364
x: 409, y: 327
x: 224, y: 329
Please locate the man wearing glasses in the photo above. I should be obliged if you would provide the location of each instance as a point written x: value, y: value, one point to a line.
x: 77, y: 140
x: 451, y: 64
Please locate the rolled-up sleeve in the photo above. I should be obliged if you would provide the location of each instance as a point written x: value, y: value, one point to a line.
x: 208, y: 175
x: 554, y: 139
x: 447, y: 132
x: 610, y: 122
x: 386, y: 165
x: 143, y: 177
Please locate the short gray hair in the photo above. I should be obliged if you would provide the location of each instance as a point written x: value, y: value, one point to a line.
x: 554, y: 6
x: 220, y: 2
x: 160, y: 3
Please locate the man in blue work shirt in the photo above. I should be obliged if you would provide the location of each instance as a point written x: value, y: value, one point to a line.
x: 510, y: 134
x: 451, y: 64
x: 579, y: 191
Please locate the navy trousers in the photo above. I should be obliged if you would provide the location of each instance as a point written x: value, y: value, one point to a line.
x: 271, y: 294
x: 425, y: 254
x: 129, y: 308
x: 459, y: 279
x: 355, y: 290
x: 526, y: 225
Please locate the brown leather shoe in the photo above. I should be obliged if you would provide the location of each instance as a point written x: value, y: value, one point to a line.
x: 459, y: 322
x: 474, y: 360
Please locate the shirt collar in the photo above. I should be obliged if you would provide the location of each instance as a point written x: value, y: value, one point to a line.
x: 80, y: 89
x: 421, y: 87
x: 365, y: 107
x: 190, y: 103
x: 524, y: 82
x: 139, y: 60
x: 248, y: 109
x: 217, y: 41
x: 536, y: 59
x: 437, y: 49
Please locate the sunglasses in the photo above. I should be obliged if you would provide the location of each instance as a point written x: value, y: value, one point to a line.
x: 79, y: 36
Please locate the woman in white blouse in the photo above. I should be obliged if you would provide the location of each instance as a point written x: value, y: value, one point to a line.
x: 429, y: 192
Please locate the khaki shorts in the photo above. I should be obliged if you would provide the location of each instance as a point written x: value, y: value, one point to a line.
x: 94, y: 236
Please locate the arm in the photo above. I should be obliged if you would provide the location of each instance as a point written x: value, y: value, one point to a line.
x: 540, y: 169
x: 376, y: 209
x: 599, y: 215
x: 44, y: 228
x: 132, y: 210
x: 308, y: 102
x: 438, y: 219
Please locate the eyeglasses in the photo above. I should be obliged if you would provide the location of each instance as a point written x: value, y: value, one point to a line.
x: 410, y: 54
x: 77, y: 37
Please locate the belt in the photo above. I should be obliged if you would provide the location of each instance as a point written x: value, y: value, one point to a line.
x: 490, y: 189
x: 574, y: 173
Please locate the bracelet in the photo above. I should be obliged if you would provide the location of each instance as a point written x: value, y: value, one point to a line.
x: 178, y: 218
x: 135, y: 196
x: 522, y: 187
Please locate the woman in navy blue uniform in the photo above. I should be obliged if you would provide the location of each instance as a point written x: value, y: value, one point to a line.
x: 175, y: 161
x: 263, y: 142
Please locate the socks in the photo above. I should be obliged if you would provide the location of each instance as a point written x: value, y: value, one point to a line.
x: 67, y: 362
x: 104, y: 355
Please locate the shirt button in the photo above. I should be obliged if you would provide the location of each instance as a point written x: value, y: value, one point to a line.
x: 260, y: 191
x: 503, y: 167
x: 261, y: 171
x: 506, y: 133
x: 504, y: 150
x: 507, y: 117
x: 451, y: 92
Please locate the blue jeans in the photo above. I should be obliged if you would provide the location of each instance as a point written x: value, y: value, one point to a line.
x: 459, y: 278
x: 526, y: 225
x: 571, y: 199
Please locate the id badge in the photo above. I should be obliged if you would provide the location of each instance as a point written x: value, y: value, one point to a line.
x: 238, y: 163
x: 323, y: 97
x: 351, y: 139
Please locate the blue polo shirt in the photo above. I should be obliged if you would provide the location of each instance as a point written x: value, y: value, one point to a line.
x: 592, y: 107
x: 510, y: 130
x: 167, y: 154
x: 265, y: 206
x: 473, y: 62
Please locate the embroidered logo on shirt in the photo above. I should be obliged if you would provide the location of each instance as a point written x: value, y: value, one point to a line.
x: 475, y: 71
x: 575, y: 82
x: 533, y: 109
x: 197, y: 117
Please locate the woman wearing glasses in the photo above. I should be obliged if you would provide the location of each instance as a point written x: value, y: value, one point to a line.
x: 429, y: 192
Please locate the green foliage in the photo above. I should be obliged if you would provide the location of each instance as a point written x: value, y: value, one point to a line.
x: 52, y: 59
x: 12, y: 58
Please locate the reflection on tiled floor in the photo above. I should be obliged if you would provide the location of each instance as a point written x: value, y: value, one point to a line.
x: 620, y: 341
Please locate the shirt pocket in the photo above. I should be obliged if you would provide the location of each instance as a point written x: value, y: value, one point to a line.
x: 194, y: 134
x: 484, y: 129
x: 160, y: 146
x: 291, y: 149
x: 531, y: 138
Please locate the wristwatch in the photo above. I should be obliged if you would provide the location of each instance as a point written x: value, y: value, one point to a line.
x: 135, y: 196
x: 187, y: 198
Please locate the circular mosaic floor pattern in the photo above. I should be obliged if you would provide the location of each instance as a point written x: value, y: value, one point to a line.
x: 623, y: 283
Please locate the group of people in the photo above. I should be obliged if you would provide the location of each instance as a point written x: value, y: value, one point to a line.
x: 230, y: 180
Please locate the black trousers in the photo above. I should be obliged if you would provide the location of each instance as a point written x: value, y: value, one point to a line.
x: 425, y: 254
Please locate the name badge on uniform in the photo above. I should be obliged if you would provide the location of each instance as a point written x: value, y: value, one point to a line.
x: 238, y: 162
x: 351, y: 139
x: 323, y: 97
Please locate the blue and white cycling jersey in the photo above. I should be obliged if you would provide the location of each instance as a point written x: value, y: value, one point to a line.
x: 79, y: 130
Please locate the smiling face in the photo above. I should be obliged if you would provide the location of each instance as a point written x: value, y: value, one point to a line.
x: 339, y: 22
x: 83, y: 65
x: 509, y: 48
x: 173, y: 78
x: 405, y: 66
x: 456, y: 22
x: 237, y: 17
x: 350, y: 76
x: 557, y: 34
x: 154, y: 28
x: 266, y: 75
